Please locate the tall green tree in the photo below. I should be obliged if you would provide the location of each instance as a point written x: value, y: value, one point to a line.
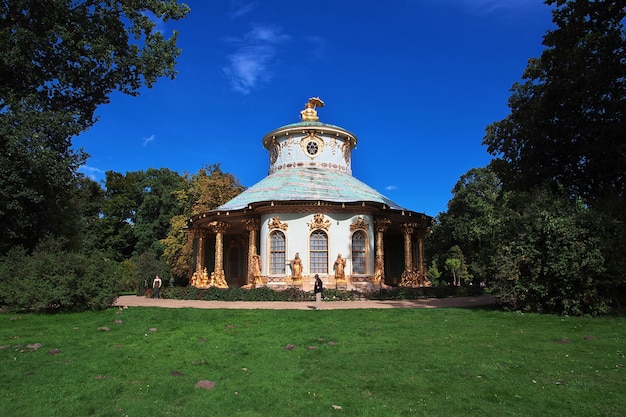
x: 122, y: 199
x: 562, y: 155
x: 159, y: 204
x: 567, y: 120
x: 551, y: 256
x: 59, y: 61
x: 204, y: 191
x: 471, y: 221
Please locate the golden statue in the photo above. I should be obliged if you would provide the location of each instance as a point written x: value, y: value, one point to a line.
x: 339, y: 267
x: 309, y: 114
x: 296, y: 267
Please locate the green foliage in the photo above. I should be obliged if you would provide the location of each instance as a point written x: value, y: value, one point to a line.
x: 550, y: 237
x: 122, y: 199
x: 207, y: 190
x: 295, y: 294
x: 406, y: 293
x: 434, y: 274
x: 454, y: 266
x: 550, y: 258
x: 469, y: 225
x: 128, y: 277
x: 158, y: 205
x: 59, y: 61
x: 567, y: 123
x: 235, y: 294
x: 55, y: 280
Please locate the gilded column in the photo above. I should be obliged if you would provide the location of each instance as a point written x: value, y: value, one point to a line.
x: 409, y: 276
x: 200, y: 235
x: 423, y: 276
x: 218, y: 278
x: 254, y: 260
x: 380, y: 225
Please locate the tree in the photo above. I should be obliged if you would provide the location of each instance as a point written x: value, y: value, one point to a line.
x: 561, y: 155
x: 60, y: 60
x: 454, y: 265
x: 471, y: 221
x: 550, y: 257
x: 208, y: 189
x: 567, y: 123
x: 122, y: 199
x: 88, y: 197
x: 158, y: 205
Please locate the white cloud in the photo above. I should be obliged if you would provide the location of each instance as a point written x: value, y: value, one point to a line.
x: 91, y: 172
x: 391, y: 188
x: 239, y: 8
x: 485, y: 7
x: 249, y: 64
x: 149, y: 139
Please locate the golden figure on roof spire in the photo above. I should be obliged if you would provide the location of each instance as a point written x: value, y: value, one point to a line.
x: 309, y: 114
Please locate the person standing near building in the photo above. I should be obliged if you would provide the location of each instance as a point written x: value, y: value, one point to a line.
x: 156, y: 287
x: 318, y: 292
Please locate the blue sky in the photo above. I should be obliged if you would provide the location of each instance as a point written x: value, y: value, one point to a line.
x: 417, y: 81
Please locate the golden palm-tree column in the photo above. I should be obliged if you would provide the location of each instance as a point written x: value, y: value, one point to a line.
x: 423, y: 276
x: 380, y: 225
x: 200, y: 235
x: 409, y: 276
x: 218, y: 278
x: 254, y: 270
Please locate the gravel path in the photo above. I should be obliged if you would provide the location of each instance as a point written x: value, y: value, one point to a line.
x: 454, y: 302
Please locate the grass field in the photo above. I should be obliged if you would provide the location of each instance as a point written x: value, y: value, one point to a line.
x: 434, y: 362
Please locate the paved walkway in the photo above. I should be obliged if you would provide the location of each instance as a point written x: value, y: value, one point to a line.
x: 454, y: 302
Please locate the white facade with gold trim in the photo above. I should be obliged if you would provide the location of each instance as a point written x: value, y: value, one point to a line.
x: 309, y: 204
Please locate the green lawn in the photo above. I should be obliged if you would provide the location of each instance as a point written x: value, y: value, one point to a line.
x: 442, y: 362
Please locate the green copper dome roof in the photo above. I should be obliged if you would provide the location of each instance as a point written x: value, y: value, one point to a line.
x: 308, y: 184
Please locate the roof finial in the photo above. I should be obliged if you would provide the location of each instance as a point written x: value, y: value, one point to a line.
x: 309, y: 114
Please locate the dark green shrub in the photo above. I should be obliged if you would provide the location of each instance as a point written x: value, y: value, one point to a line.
x: 52, y: 281
x: 295, y: 294
x: 552, y: 259
x: 405, y: 293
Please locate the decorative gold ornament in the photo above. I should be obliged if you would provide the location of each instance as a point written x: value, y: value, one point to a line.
x: 359, y: 225
x: 319, y: 222
x: 275, y: 223
x: 309, y: 114
x: 346, y: 152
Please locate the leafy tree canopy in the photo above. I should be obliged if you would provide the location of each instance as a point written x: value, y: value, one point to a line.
x: 59, y: 61
x: 208, y: 189
x: 567, y: 123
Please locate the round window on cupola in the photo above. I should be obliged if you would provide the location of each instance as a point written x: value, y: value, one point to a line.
x: 312, y: 145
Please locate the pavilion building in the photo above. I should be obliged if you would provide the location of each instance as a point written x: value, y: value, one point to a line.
x: 309, y: 216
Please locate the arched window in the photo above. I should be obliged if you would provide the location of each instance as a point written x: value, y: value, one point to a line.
x: 277, y: 252
x: 319, y: 252
x: 359, y: 260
